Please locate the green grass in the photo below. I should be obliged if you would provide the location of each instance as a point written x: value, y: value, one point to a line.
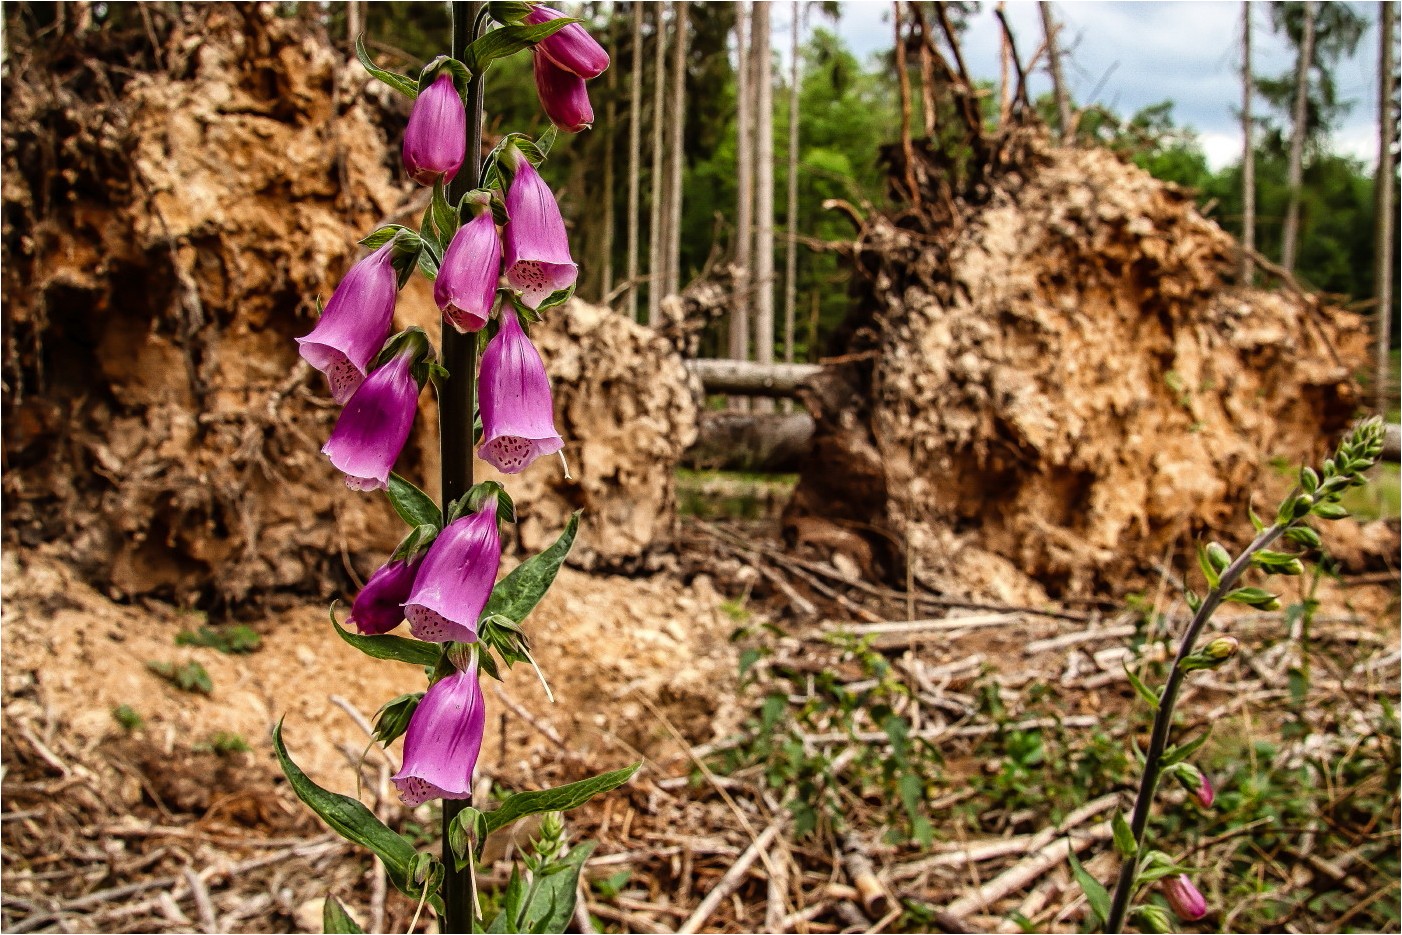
x: 732, y: 494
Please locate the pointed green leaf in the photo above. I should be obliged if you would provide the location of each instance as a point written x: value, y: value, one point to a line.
x: 1150, y: 697
x: 1096, y: 894
x: 334, y: 917
x: 547, y: 139
x: 1256, y: 521
x: 1180, y: 752
x: 508, y: 40
x: 354, y: 822
x: 401, y: 83
x: 397, y: 648
x: 1124, y: 837
x: 1208, y: 572
x: 413, y: 505
x: 552, y: 903
x: 517, y: 594
x: 1253, y: 597
x: 559, y: 799
x: 508, y: 12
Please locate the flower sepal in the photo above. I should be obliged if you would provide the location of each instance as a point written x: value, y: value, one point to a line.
x: 409, y: 250
x: 461, y: 74
x: 415, y: 543
x: 477, y: 497
x: 392, y: 720
x: 1157, y: 865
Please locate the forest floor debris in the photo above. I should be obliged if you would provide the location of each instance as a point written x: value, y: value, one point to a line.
x: 872, y: 769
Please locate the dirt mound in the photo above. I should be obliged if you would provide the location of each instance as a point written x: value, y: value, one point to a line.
x: 167, y: 230
x: 1054, y: 379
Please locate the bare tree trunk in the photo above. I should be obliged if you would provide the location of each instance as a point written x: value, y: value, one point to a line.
x: 1385, y: 210
x: 674, y: 194
x: 744, y: 171
x: 657, y: 260
x: 1290, y: 236
x: 791, y: 209
x: 1248, y: 152
x: 635, y: 159
x: 610, y: 136
x: 352, y: 24
x: 1005, y: 101
x: 1063, y: 101
x: 764, y: 190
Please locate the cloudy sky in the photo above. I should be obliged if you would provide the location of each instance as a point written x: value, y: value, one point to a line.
x: 1126, y: 55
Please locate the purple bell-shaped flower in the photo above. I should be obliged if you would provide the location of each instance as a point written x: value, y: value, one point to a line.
x: 375, y: 424
x: 435, y: 141
x: 518, y: 416
x: 456, y: 578
x: 466, y: 286
x: 354, y: 324
x: 379, y: 607
x: 572, y: 48
x: 563, y: 95
x: 443, y: 740
x: 538, y: 261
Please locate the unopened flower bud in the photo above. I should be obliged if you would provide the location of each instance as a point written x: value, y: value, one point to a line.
x: 393, y: 719
x: 1303, y: 504
x: 1185, y: 898
x: 1196, y: 783
x: 435, y: 141
x: 1218, y: 555
x: 1213, y: 654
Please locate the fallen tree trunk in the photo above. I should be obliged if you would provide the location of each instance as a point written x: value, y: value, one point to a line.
x: 772, y: 442
x: 743, y: 378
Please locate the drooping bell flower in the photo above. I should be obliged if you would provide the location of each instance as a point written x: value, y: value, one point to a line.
x: 435, y: 141
x: 518, y: 416
x: 379, y: 607
x: 373, y: 427
x: 538, y: 260
x: 443, y: 740
x: 456, y: 578
x: 1184, y: 898
x: 572, y: 48
x: 467, y: 281
x: 563, y: 95
x: 354, y: 324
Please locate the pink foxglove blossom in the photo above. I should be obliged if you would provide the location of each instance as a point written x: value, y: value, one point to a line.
x: 435, y: 141
x: 467, y: 281
x: 443, y: 740
x: 375, y: 424
x: 354, y: 324
x: 379, y: 607
x: 518, y: 419
x: 456, y: 578
x: 563, y: 95
x: 538, y: 261
x: 572, y: 48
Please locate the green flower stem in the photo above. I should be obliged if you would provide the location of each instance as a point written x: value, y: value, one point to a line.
x: 457, y: 403
x: 1163, y: 722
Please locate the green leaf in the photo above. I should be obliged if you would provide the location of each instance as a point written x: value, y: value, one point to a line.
x: 413, y: 505
x: 517, y: 594
x: 1096, y: 894
x: 334, y: 917
x: 1150, y: 697
x: 1303, y: 535
x: 401, y: 83
x: 1330, y: 511
x: 552, y: 902
x: 508, y: 40
x: 354, y: 822
x: 1124, y: 837
x: 397, y: 648
x: 508, y: 12
x: 546, y: 140
x: 559, y: 799
x: 445, y: 218
x: 558, y: 297
x: 1252, y: 597
x: 1177, y: 754
x: 1208, y: 572
x: 1256, y: 521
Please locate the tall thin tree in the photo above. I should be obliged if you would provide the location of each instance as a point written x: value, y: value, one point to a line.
x: 635, y: 159
x: 744, y: 173
x: 1386, y: 209
x: 1290, y: 234
x: 657, y: 260
x: 1248, y: 152
x: 1063, y: 99
x: 677, y: 154
x: 610, y: 137
x: 791, y: 209
x: 763, y: 79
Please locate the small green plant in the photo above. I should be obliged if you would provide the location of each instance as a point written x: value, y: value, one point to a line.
x: 223, y: 743
x: 236, y: 639
x: 126, y: 716
x: 610, y: 887
x: 190, y: 677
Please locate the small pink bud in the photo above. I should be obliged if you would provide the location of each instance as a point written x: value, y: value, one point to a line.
x: 435, y: 141
x: 572, y: 48
x: 1184, y: 898
x: 1204, y: 792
